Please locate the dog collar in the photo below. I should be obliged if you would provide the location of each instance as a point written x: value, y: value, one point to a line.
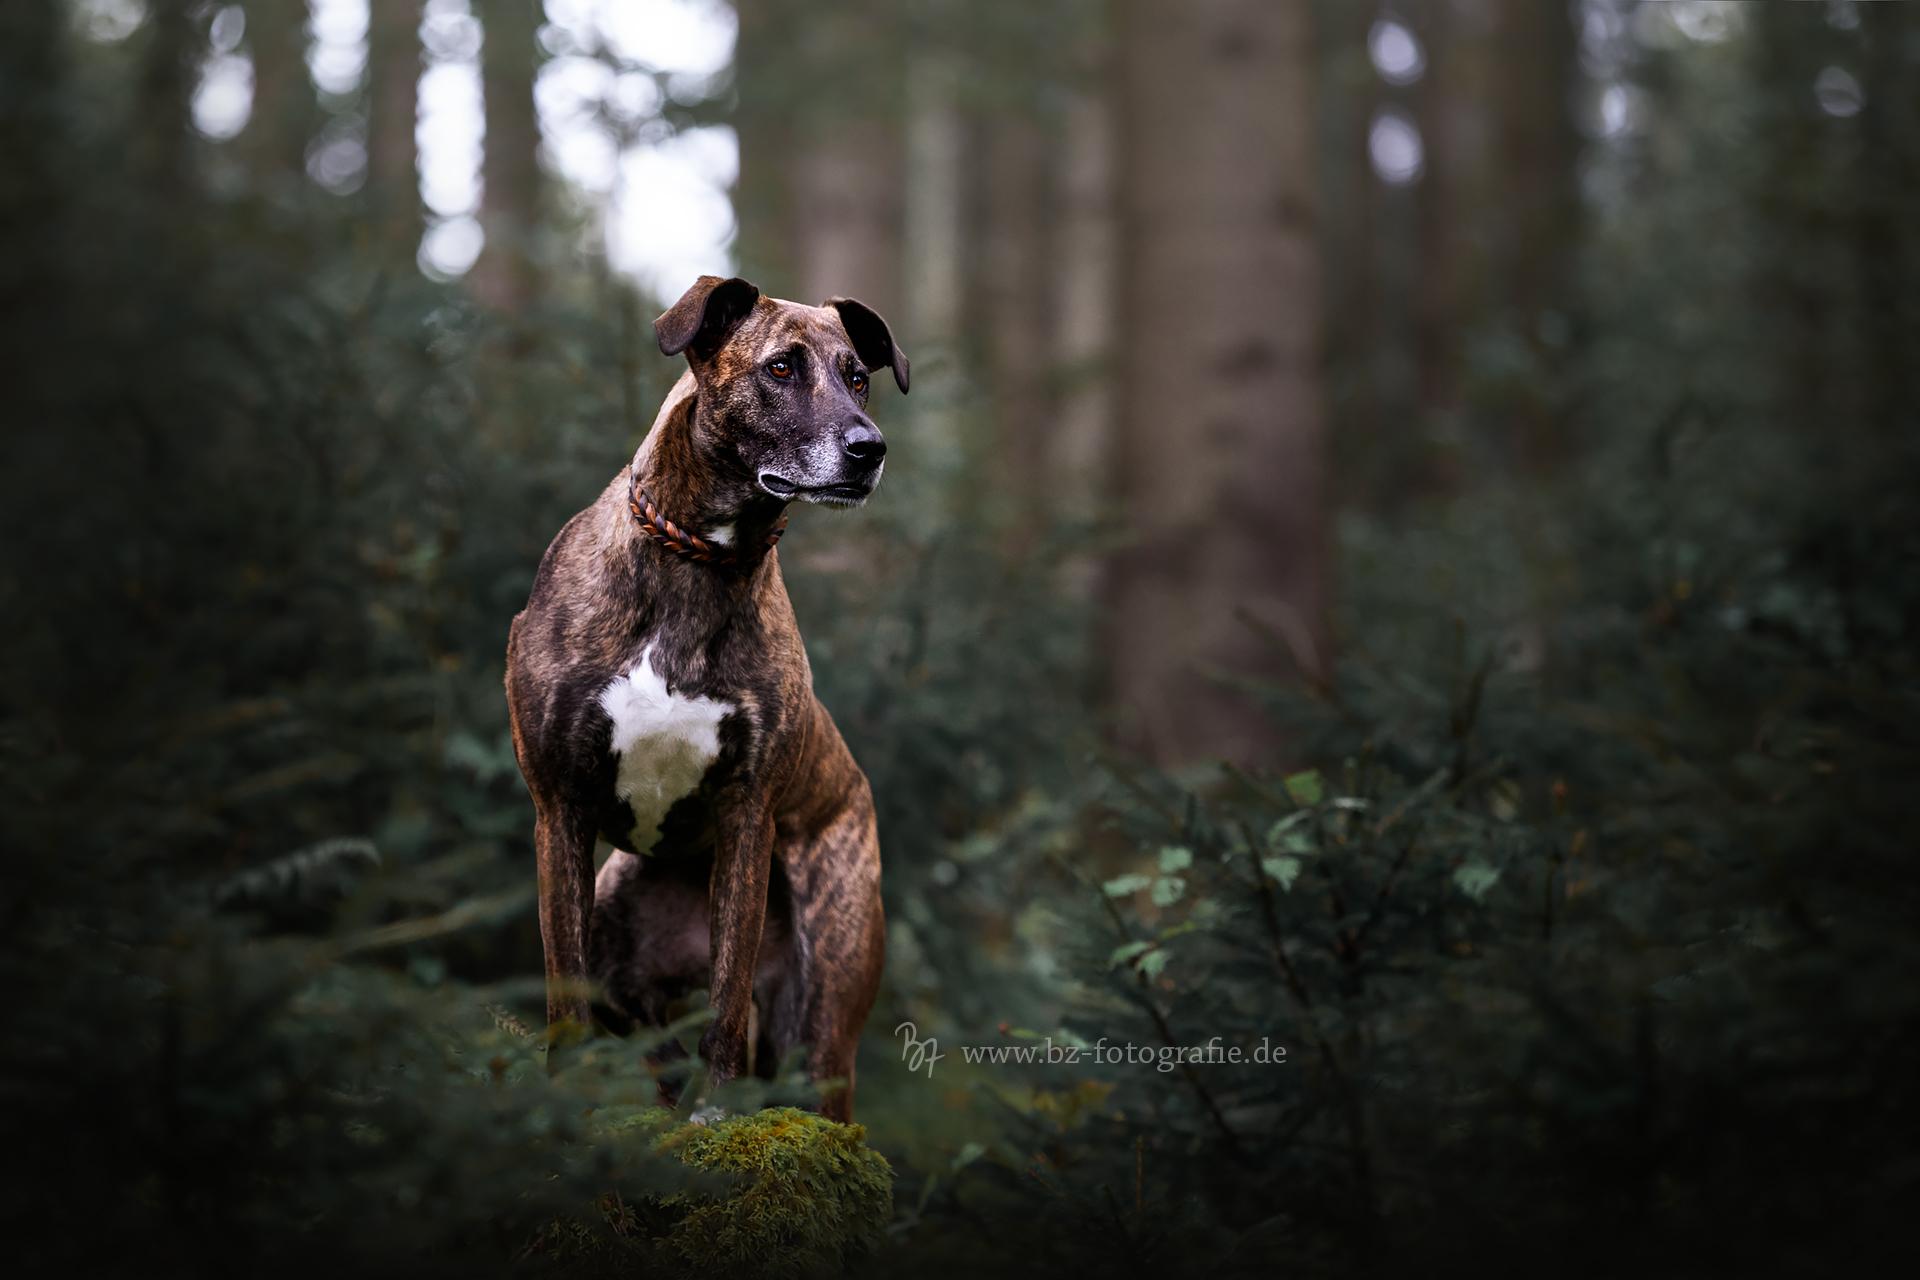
x: 684, y: 542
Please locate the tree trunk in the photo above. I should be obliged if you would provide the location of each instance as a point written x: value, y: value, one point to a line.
x: 1539, y: 148
x: 1450, y: 102
x: 393, y: 101
x: 820, y: 200
x: 763, y: 121
x: 934, y: 237
x: 284, y: 106
x: 847, y: 213
x: 36, y: 222
x: 1015, y: 314
x: 507, y: 277
x: 1883, y: 172
x: 1794, y: 296
x: 163, y: 120
x: 1460, y: 203
x: 1222, y: 448
x: 1078, y: 442
x: 847, y: 160
x: 1349, y: 92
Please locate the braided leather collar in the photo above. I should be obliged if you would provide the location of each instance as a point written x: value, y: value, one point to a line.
x: 684, y: 542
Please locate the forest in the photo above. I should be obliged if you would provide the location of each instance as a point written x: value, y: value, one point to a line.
x: 1387, y: 654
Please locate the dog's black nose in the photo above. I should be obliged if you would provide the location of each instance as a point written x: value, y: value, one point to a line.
x: 864, y: 443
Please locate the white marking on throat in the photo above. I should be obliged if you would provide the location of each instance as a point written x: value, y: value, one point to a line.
x: 721, y: 535
x: 665, y: 742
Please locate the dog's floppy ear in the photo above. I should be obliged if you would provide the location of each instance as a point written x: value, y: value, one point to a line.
x: 705, y: 316
x: 872, y: 340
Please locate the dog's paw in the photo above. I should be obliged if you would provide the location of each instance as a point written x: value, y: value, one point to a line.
x: 708, y: 1114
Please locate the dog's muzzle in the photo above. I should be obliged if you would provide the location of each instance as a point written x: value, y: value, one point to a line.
x: 863, y: 453
x: 841, y: 493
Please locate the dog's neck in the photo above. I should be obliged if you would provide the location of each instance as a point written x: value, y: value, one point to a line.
x: 697, y: 491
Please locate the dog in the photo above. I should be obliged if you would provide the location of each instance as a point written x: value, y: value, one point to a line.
x: 661, y: 699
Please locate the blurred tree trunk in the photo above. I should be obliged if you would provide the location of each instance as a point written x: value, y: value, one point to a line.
x: 847, y: 158
x: 763, y: 248
x: 846, y: 210
x: 1793, y: 302
x: 822, y: 171
x: 163, y: 110
x: 934, y: 230
x: 35, y: 203
x: 934, y: 245
x: 285, y: 110
x: 33, y: 53
x: 1885, y: 170
x: 1349, y: 91
x: 1387, y: 222
x: 1537, y: 216
x: 1016, y: 308
x: 1453, y: 101
x: 393, y: 108
x: 507, y: 276
x: 1221, y: 447
x: 1441, y: 102
x: 1077, y: 443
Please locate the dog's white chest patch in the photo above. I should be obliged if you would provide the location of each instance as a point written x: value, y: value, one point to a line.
x: 665, y: 742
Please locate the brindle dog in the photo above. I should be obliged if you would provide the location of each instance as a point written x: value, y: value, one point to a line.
x: 661, y: 699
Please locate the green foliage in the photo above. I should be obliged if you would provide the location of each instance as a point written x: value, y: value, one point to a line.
x: 265, y: 1094
x: 1576, y: 963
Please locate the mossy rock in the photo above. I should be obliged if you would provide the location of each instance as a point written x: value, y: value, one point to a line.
x: 781, y: 1194
x: 810, y: 1197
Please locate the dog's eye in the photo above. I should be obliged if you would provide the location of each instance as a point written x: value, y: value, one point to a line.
x: 780, y: 368
x: 858, y: 382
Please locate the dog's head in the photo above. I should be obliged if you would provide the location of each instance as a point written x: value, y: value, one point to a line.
x: 783, y: 387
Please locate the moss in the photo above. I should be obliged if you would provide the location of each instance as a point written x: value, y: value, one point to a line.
x: 811, y: 1196
x: 782, y: 1194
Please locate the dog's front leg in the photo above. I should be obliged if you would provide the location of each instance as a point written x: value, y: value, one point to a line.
x: 835, y: 884
x: 563, y: 843
x: 737, y: 909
